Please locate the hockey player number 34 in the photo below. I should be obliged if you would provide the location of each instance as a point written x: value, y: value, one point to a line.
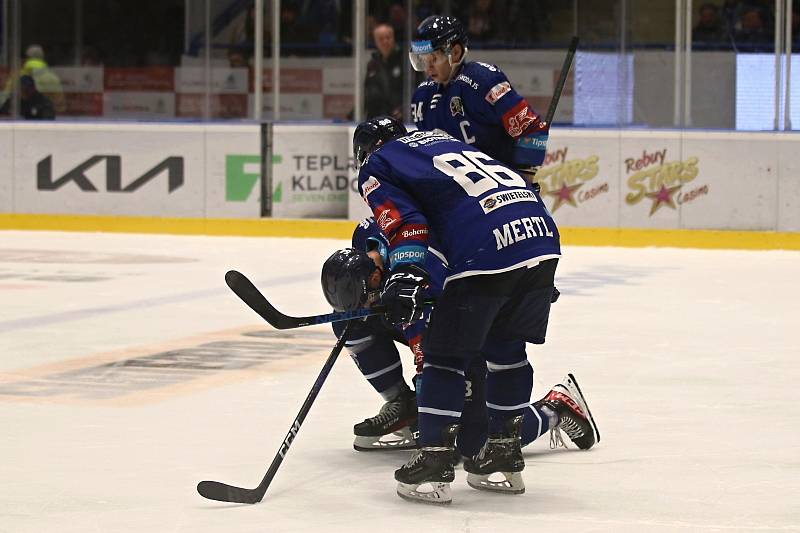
x: 470, y: 162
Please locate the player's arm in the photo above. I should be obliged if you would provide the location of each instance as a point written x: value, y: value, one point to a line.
x: 406, y: 230
x: 520, y: 121
x: 419, y: 103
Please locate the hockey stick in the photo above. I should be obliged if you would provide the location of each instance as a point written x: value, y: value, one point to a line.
x: 214, y: 490
x: 250, y: 295
x: 562, y: 79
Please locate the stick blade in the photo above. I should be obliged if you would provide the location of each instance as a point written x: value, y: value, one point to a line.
x: 249, y: 294
x: 214, y: 490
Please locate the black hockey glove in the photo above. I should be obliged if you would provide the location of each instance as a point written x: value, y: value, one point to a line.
x: 404, y: 295
x: 554, y: 297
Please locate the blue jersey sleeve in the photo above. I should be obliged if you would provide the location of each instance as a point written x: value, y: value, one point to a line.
x: 499, y: 102
x: 396, y: 212
x: 419, y: 102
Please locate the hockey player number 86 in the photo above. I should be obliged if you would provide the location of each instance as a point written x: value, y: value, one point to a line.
x: 476, y: 163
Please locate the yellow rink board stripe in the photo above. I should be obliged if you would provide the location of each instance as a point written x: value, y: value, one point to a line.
x: 342, y: 229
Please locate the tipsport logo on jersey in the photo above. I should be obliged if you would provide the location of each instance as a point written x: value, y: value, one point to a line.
x: 651, y: 177
x: 567, y: 181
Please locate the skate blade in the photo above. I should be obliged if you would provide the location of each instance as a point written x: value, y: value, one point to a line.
x: 572, y: 383
x: 505, y: 482
x: 428, y: 492
x: 399, y: 440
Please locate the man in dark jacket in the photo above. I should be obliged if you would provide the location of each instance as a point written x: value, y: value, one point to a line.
x: 383, y: 88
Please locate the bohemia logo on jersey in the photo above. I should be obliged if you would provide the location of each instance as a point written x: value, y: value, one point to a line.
x: 652, y: 177
x: 564, y: 180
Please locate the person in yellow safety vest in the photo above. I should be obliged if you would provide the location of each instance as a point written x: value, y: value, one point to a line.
x: 47, y: 82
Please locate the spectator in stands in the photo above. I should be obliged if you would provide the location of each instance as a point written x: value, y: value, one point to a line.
x: 397, y: 20
x: 33, y: 105
x: 753, y: 33
x: 295, y: 40
x: 237, y: 58
x: 709, y: 28
x: 383, y: 87
x: 480, y: 25
x: 46, y: 81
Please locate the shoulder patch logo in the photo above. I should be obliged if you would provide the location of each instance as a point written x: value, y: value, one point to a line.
x: 497, y: 92
x: 456, y: 106
x: 369, y: 185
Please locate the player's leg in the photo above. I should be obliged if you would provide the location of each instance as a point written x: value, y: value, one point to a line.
x: 474, y: 417
x: 523, y: 318
x: 567, y: 409
x: 374, y: 352
x: 498, y: 465
x: 459, y: 325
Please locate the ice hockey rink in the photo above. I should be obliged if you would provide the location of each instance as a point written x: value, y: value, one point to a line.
x: 130, y: 372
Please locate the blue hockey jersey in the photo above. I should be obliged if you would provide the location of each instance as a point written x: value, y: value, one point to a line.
x: 480, y: 107
x: 367, y: 236
x: 484, y: 216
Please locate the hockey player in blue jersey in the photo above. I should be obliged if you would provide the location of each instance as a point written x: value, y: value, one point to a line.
x: 472, y: 101
x: 351, y: 279
x: 501, y: 247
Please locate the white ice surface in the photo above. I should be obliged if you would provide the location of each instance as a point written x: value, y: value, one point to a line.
x: 690, y: 361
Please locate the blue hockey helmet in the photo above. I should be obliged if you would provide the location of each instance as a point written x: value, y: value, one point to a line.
x: 372, y: 134
x: 345, y: 279
x: 437, y: 32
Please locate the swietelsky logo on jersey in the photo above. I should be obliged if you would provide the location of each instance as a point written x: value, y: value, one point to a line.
x: 651, y: 176
x: 564, y: 180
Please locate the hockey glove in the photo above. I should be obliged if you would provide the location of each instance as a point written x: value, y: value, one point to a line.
x: 404, y: 295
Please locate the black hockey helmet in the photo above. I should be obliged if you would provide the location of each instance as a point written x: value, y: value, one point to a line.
x: 437, y: 32
x: 344, y: 279
x: 372, y: 133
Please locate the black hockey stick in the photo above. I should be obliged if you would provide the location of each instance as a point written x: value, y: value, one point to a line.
x: 250, y: 295
x: 562, y: 79
x: 214, y: 490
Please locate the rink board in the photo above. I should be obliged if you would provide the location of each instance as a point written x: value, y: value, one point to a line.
x: 603, y: 179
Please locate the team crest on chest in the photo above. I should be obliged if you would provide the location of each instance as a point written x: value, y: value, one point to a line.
x: 456, y: 106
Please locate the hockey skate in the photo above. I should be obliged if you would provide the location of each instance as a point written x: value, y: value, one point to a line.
x: 392, y: 428
x: 499, y: 464
x: 427, y: 476
x: 574, y: 417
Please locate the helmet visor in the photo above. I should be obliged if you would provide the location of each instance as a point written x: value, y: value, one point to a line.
x: 422, y: 54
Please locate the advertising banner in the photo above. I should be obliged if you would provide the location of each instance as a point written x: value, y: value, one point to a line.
x: 139, y: 105
x: 109, y: 169
x: 736, y: 182
x: 6, y: 168
x: 147, y: 79
x: 293, y: 106
x: 580, y: 178
x: 233, y: 171
x: 311, y: 171
x: 223, y: 80
x: 80, y: 79
x: 788, y: 182
x: 652, y: 172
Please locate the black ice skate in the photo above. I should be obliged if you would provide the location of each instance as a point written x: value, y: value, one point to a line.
x: 391, y: 428
x: 427, y: 476
x: 574, y: 417
x: 498, y: 465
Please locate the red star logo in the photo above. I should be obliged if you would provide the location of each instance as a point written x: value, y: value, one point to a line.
x: 662, y: 196
x: 564, y: 194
